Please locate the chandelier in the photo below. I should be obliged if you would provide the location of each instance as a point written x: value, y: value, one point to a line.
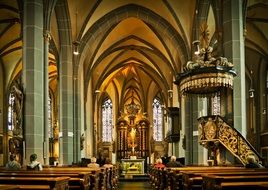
x: 205, y: 74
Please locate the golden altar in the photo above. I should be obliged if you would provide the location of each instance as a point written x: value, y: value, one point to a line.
x: 132, y: 166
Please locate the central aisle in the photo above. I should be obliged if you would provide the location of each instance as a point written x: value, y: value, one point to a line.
x: 129, y: 185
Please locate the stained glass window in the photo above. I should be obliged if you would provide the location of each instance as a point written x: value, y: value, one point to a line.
x: 11, y: 101
x: 50, y: 129
x: 107, y: 120
x: 216, y: 105
x: 158, y: 120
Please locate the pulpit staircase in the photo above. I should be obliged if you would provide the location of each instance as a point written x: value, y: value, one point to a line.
x: 214, y: 130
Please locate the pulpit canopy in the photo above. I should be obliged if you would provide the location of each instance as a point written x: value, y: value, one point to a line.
x: 205, y: 74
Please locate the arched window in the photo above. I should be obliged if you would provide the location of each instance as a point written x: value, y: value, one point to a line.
x: 216, y: 105
x: 158, y: 120
x: 15, y: 103
x: 107, y: 120
x: 49, y: 109
x: 11, y: 100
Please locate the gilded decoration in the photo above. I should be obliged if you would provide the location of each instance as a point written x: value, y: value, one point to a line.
x: 213, y: 130
x: 205, y: 74
x: 228, y: 136
x: 132, y: 132
x: 210, y: 130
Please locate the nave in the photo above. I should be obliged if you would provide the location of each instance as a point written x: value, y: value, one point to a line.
x: 126, y: 185
x: 134, y: 81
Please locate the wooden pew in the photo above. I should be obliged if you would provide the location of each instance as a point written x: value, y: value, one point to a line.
x: 9, y: 187
x: 194, y: 179
x: 98, y: 175
x: 76, y: 181
x: 58, y: 183
x: 175, y: 179
x: 212, y: 182
x: 247, y: 185
x: 80, y: 177
x: 93, y: 173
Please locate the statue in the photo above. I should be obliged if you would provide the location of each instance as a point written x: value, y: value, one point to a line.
x: 15, y: 145
x: 17, y: 110
x: 132, y: 140
x: 82, y: 141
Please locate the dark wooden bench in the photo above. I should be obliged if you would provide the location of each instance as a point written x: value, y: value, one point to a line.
x: 80, y: 180
x: 194, y: 179
x: 211, y: 182
x: 98, y: 176
x: 190, y: 177
x: 9, y: 187
x: 246, y: 185
x: 174, y: 176
x: 58, y: 183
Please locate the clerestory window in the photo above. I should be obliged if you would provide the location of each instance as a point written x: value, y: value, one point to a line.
x: 157, y: 120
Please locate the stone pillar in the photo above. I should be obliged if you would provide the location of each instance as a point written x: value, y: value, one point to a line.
x: 233, y: 46
x: 66, y: 111
x: 77, y: 129
x: 46, y: 96
x: 33, y: 77
x: 188, y: 130
x: 89, y: 117
x: 202, y: 154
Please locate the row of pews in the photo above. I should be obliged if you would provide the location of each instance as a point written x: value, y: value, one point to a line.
x: 209, y: 178
x: 61, y: 178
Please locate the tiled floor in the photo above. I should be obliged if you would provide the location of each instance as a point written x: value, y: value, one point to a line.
x: 129, y: 185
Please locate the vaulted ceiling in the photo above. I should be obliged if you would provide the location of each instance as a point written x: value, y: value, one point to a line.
x: 128, y: 48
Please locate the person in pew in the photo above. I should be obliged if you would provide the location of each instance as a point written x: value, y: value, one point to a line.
x: 159, y: 164
x: 165, y: 159
x: 108, y: 163
x: 12, y: 163
x: 252, y: 163
x: 34, y: 164
x: 93, y: 163
x: 101, y: 160
x: 173, y: 162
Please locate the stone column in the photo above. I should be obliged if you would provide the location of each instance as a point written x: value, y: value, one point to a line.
x: 33, y: 77
x: 66, y: 106
x: 233, y: 47
x: 66, y: 110
x: 89, y: 117
x: 201, y: 153
x: 46, y: 96
x: 188, y: 129
x: 77, y: 129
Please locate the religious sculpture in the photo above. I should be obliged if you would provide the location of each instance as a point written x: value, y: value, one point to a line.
x: 17, y: 111
x: 132, y: 140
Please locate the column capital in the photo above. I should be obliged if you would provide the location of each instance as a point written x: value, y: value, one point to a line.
x: 47, y: 35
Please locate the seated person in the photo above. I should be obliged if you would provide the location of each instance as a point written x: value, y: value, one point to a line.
x: 252, y: 163
x: 12, y: 163
x: 108, y: 163
x: 159, y: 164
x: 93, y: 163
x: 173, y: 162
x: 34, y: 164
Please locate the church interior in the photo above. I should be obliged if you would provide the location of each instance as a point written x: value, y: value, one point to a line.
x: 134, y: 81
